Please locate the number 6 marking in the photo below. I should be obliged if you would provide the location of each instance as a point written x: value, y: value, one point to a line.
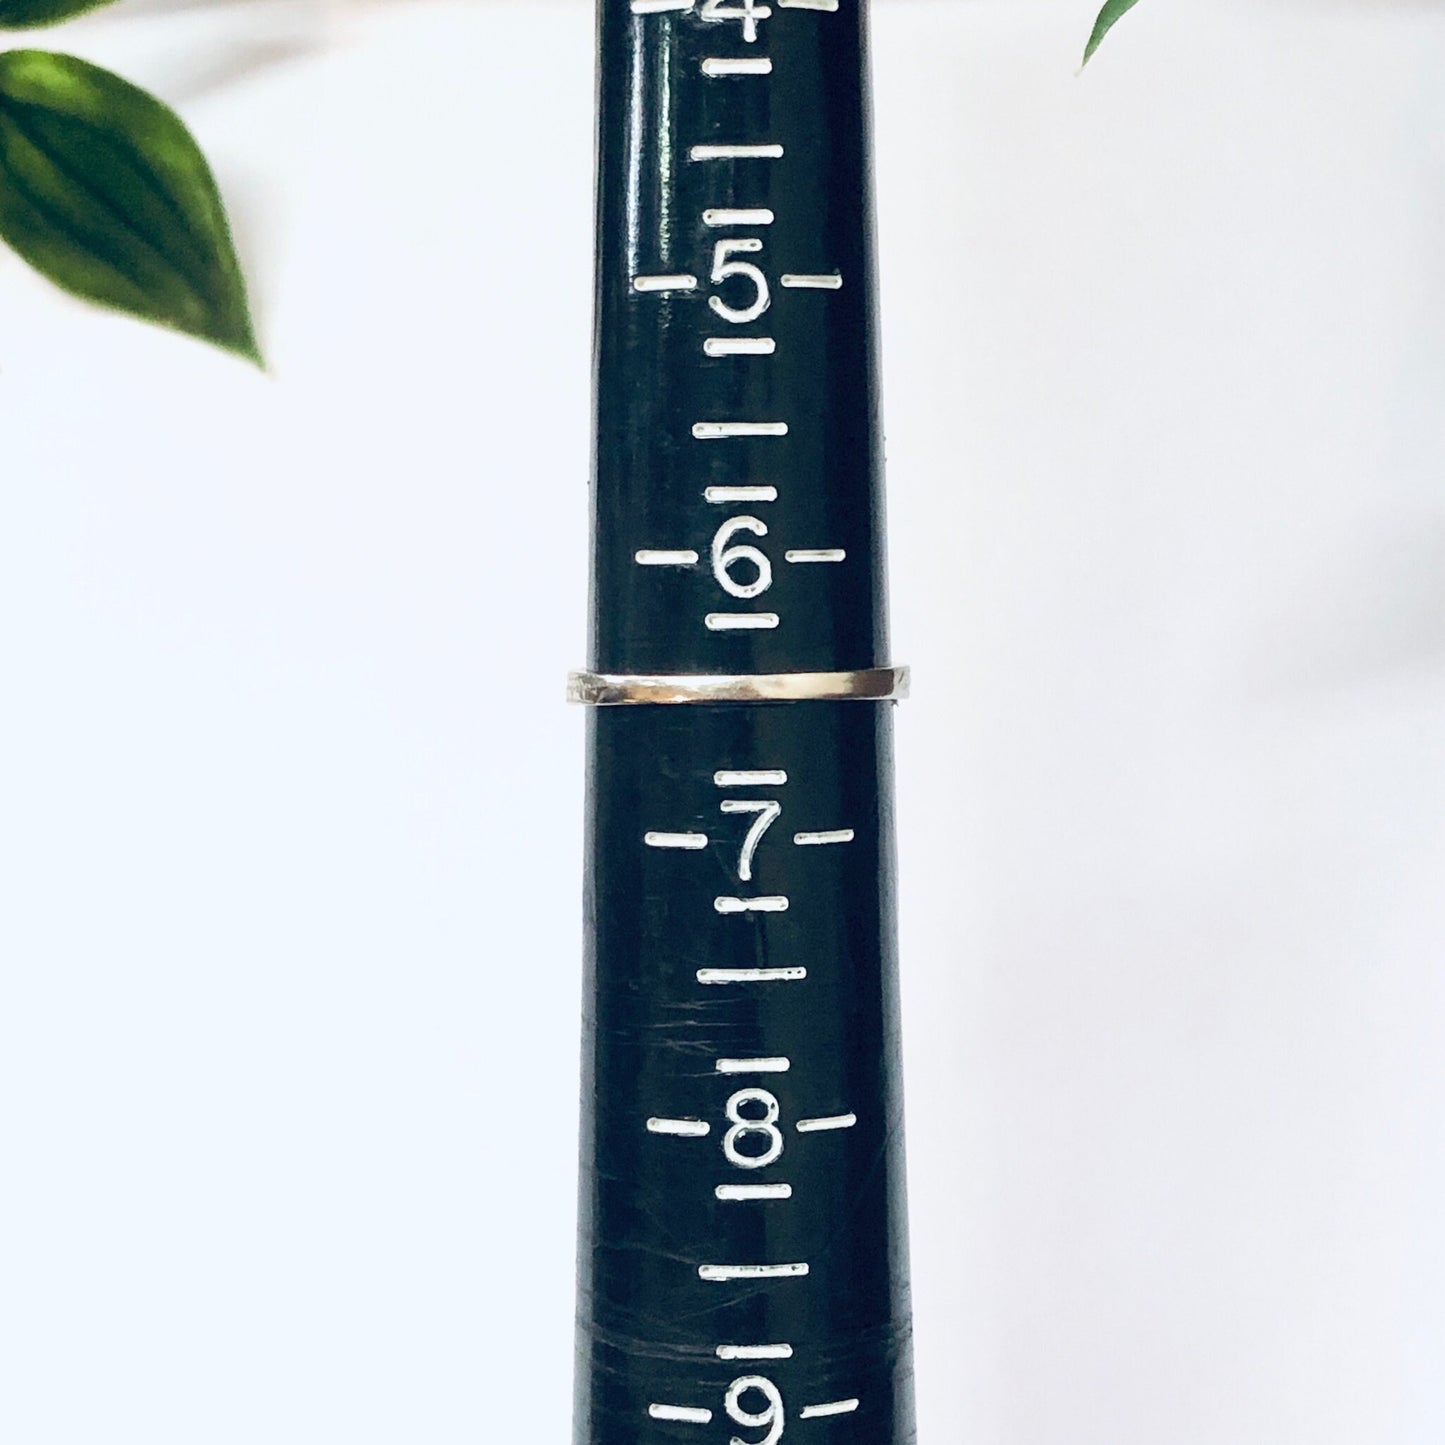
x: 768, y: 814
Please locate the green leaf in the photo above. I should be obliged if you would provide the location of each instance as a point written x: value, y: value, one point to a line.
x: 31, y: 14
x: 103, y: 190
x: 1109, y: 16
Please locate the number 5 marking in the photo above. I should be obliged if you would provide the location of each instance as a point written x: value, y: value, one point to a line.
x: 768, y: 814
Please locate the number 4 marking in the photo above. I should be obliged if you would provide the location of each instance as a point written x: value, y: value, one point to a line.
x: 768, y: 814
x: 749, y: 12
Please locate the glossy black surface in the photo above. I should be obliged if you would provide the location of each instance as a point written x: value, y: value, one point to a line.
x: 654, y: 381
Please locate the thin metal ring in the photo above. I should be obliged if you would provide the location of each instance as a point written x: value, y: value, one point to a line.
x: 604, y: 689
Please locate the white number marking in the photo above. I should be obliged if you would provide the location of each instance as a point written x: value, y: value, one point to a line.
x: 754, y: 778
x: 712, y: 431
x: 749, y: 12
x: 754, y: 1066
x: 723, y: 268
x: 680, y: 282
x: 820, y: 840
x: 764, y: 1126
x: 751, y: 975
x: 837, y: 1407
x: 680, y: 1128
x: 741, y: 621
x: 818, y: 1126
x: 750, y: 905
x: 737, y: 153
x: 723, y: 1273
x: 759, y: 216
x: 817, y: 554
x: 755, y: 1352
x: 686, y: 1413
x: 693, y: 842
x: 813, y: 283
x: 738, y: 1193
x: 716, y: 66
x: 768, y: 814
x: 770, y: 1417
x: 740, y: 346
x: 719, y: 496
x: 726, y: 555
x: 659, y: 557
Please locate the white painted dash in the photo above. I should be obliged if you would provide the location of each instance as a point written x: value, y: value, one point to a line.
x: 721, y: 1273
x: 835, y: 1407
x: 692, y: 842
x: 829, y: 5
x: 741, y: 621
x: 751, y: 975
x: 679, y: 282
x: 822, y: 840
x: 755, y: 1352
x: 739, y: 346
x: 740, y: 1193
x: 716, y: 66
x: 817, y: 554
x: 659, y: 7
x: 686, y: 1413
x: 722, y: 495
x: 712, y: 431
x: 751, y: 905
x: 813, y: 283
x: 680, y: 1128
x: 754, y: 1066
x: 768, y: 152
x: 750, y: 778
x: 662, y: 557
x: 738, y: 216
x: 833, y: 1121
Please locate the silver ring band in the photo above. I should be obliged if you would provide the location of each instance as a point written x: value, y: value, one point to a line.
x: 603, y: 689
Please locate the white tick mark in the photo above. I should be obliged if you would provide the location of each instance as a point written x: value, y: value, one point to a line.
x: 750, y: 778
x: 821, y: 840
x: 751, y: 905
x: 715, y: 66
x: 658, y: 7
x: 817, y: 554
x: 723, y: 495
x: 660, y: 557
x: 829, y: 5
x: 680, y: 1128
x: 755, y: 1352
x: 754, y: 1066
x: 833, y: 1121
x: 686, y: 1413
x: 680, y: 282
x: 743, y: 216
x: 713, y: 431
x: 836, y: 1407
x: 692, y: 842
x: 813, y: 283
x: 737, y: 153
x: 740, y: 346
x: 721, y: 1273
x: 741, y: 1192
x: 751, y: 975
x: 741, y: 621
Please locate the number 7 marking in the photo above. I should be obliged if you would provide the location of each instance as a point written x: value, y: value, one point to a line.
x: 768, y: 814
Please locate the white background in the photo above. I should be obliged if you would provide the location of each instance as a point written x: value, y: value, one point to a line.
x: 289, y: 802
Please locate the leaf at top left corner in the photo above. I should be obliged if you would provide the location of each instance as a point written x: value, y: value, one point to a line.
x: 32, y: 14
x: 103, y: 190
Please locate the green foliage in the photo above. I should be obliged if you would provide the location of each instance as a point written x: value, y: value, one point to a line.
x: 1109, y: 16
x: 103, y: 190
x: 31, y: 14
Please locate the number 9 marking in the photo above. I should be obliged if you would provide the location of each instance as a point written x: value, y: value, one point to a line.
x: 771, y: 1417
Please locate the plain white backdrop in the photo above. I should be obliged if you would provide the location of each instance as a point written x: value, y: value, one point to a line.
x: 290, y: 803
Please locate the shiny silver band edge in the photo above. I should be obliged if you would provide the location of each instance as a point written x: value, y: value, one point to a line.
x: 604, y: 689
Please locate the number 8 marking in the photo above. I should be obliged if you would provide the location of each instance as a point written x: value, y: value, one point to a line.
x: 767, y: 1126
